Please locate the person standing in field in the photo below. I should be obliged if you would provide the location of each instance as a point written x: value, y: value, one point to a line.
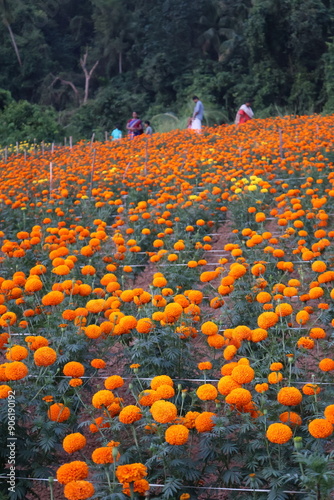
x: 196, y: 123
x: 148, y: 128
x: 116, y: 133
x: 244, y: 114
x: 134, y: 126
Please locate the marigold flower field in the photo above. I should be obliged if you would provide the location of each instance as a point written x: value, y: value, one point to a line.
x: 143, y: 357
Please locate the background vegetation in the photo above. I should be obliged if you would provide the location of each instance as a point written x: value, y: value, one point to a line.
x: 73, y: 68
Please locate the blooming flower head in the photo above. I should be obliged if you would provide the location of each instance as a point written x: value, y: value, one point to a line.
x: 177, y: 434
x: 131, y: 472
x: 239, y: 397
x: 102, y: 398
x: 279, y: 433
x: 79, y: 490
x: 72, y: 471
x: 207, y: 392
x: 130, y: 414
x: 204, y: 422
x: 58, y: 412
x: 289, y: 396
x: 243, y: 374
x: 74, y: 442
x: 161, y: 380
x: 113, y: 382
x: 74, y: 369
x: 320, y: 428
x: 16, y: 370
x: 163, y: 411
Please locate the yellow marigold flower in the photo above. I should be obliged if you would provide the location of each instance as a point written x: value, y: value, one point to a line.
x: 58, y: 412
x: 177, y: 434
x: 16, y: 370
x: 74, y: 369
x: 163, y: 411
x: 130, y: 472
x: 243, y: 374
x: 291, y: 418
x: 320, y: 428
x: 267, y: 320
x: 53, y: 298
x: 78, y: 490
x: 204, y: 422
x: 289, y: 396
x: 74, y: 442
x: 16, y: 353
x: 161, y: 380
x: 72, y: 471
x: 130, y: 414
x: 239, y: 397
x: 207, y: 392
x: 102, y: 398
x: 279, y: 433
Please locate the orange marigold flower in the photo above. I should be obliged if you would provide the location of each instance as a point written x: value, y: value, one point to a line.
x: 289, y: 396
x: 165, y: 392
x: 207, y: 392
x: 243, y: 374
x: 163, y: 411
x: 161, y: 380
x: 45, y: 356
x: 172, y: 312
x: 93, y: 331
x: 148, y: 397
x: 283, y: 309
x: 275, y: 377
x: 72, y: 471
x: 58, y: 412
x: 131, y: 472
x: 229, y: 352
x: 329, y: 413
x: 103, y: 455
x: 95, y: 305
x: 144, y: 325
x: 204, y: 422
x: 317, y: 333
x: 226, y: 384
x: 275, y: 367
x: 113, y: 382
x: 320, y: 428
x: 53, y: 298
x: 204, y: 365
x: 279, y: 433
x: 239, y: 397
x: 130, y: 414
x: 78, y: 490
x: 16, y: 370
x: 4, y: 391
x: 290, y: 418
x: 261, y: 387
x: 302, y: 317
x: 140, y: 486
x: 267, y: 319
x: 177, y: 434
x: 326, y: 365
x: 74, y: 369
x: 102, y: 398
x: 98, y: 363
x: 311, y: 389
x: 258, y: 335
x: 305, y: 342
x: 16, y: 353
x: 189, y: 419
x: 74, y: 442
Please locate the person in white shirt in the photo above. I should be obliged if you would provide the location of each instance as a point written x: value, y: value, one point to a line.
x: 196, y: 123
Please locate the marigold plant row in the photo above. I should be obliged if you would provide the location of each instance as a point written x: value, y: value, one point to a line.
x: 135, y: 273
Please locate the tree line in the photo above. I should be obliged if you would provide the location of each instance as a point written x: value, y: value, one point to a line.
x: 77, y: 68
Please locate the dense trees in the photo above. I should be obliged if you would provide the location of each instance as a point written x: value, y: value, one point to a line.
x: 94, y: 61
